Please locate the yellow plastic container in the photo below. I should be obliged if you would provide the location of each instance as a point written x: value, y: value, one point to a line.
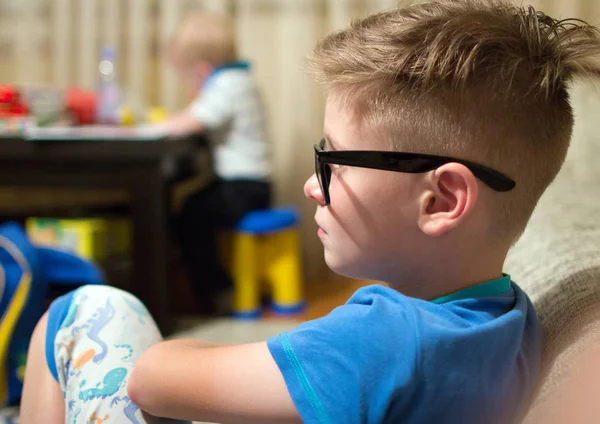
x: 118, y: 240
x: 93, y: 238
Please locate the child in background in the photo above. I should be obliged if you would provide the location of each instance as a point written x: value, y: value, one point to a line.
x: 228, y: 109
x: 445, y: 122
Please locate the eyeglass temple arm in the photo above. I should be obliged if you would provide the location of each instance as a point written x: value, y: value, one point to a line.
x: 489, y: 176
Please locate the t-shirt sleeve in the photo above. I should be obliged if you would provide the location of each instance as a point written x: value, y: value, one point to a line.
x: 348, y: 366
x: 214, y: 105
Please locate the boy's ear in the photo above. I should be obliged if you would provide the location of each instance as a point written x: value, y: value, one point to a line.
x: 450, y: 197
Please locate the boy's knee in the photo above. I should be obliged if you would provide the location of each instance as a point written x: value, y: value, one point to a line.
x: 101, y: 293
x: 94, y: 314
x: 93, y: 302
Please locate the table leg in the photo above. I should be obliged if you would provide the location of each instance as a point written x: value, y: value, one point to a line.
x: 150, y: 244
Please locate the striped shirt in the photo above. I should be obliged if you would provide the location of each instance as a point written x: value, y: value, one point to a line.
x: 230, y: 107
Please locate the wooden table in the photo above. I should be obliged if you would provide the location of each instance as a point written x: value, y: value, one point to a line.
x: 146, y: 170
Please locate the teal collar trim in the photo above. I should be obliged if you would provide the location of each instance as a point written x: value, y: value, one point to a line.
x: 232, y: 65
x: 489, y: 288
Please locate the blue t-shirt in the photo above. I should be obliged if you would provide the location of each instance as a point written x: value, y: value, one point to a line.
x: 470, y: 357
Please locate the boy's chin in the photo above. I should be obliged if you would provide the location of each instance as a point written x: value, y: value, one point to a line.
x: 343, y: 267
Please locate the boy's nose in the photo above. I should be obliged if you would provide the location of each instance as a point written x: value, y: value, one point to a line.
x: 312, y: 190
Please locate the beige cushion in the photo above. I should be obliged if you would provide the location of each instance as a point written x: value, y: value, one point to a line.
x: 557, y: 262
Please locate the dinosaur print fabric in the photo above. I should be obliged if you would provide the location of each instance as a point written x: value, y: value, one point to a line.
x: 101, y: 336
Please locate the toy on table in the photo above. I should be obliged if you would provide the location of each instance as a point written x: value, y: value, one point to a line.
x: 157, y: 115
x: 11, y: 104
x: 81, y: 104
x: 46, y: 104
x: 14, y: 114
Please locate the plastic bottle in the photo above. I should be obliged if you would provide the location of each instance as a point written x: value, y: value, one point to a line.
x: 109, y: 92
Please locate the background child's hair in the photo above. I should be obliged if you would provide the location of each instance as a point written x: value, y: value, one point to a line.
x: 485, y: 81
x: 203, y: 36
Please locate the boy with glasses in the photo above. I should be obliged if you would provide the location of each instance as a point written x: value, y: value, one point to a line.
x: 445, y: 122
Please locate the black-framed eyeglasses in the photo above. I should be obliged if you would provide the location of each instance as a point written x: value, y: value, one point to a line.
x: 413, y: 163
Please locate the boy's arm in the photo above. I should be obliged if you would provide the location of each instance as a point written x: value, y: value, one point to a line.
x: 194, y: 380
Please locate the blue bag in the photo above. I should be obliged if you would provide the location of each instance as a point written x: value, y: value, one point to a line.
x: 25, y: 274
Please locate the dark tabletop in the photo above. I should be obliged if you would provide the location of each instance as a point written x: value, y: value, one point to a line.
x: 18, y: 148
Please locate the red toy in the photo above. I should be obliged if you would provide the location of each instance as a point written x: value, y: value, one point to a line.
x: 81, y: 104
x: 10, y: 102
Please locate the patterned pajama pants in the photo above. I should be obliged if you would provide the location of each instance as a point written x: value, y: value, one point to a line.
x: 95, y: 334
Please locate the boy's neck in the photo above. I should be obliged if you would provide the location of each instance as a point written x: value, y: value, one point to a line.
x: 440, y: 281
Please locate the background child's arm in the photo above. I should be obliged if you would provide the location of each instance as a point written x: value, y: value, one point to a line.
x: 183, y: 123
x: 194, y: 380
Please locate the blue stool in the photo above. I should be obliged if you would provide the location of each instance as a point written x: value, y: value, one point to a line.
x: 266, y: 247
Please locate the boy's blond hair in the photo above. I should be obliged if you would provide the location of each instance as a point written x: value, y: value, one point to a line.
x: 485, y: 81
x: 203, y: 37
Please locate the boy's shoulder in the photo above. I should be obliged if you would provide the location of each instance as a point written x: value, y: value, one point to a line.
x: 384, y: 345
x: 498, y: 308
x: 377, y: 312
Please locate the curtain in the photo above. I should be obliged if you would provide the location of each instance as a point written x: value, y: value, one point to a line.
x: 58, y: 42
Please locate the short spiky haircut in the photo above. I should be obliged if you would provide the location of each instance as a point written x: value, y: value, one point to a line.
x: 479, y: 80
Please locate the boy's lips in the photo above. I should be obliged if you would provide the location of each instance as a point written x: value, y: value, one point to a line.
x: 320, y: 231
